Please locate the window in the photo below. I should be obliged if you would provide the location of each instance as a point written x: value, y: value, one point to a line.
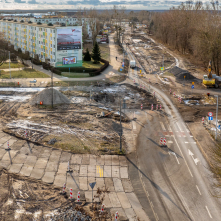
x: 51, y: 45
x: 39, y: 42
x: 54, y: 46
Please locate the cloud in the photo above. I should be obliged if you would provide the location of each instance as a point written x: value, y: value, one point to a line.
x: 98, y: 4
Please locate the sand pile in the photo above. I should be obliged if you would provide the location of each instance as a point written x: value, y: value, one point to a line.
x: 45, y: 96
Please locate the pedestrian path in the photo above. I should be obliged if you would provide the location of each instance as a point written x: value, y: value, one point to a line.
x: 110, y: 172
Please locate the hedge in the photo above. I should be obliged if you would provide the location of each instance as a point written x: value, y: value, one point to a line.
x: 37, y: 62
x: 102, y: 68
x: 77, y: 69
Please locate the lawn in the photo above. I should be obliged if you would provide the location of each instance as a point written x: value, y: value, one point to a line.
x: 90, y: 64
x: 75, y: 75
x: 12, y: 65
x: 26, y: 73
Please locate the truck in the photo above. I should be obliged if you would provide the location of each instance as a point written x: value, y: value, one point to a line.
x: 211, y: 80
x: 132, y: 63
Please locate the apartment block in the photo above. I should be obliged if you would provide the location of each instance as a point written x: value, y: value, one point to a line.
x: 54, y: 43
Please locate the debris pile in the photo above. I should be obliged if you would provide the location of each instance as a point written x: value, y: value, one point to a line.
x: 45, y: 97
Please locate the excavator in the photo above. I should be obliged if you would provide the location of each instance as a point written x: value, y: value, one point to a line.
x: 211, y: 80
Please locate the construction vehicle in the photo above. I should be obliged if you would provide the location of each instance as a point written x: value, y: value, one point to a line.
x: 211, y: 80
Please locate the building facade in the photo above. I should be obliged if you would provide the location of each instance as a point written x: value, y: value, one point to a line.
x: 42, y: 40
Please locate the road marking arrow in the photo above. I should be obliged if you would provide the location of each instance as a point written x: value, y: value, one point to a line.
x: 195, y: 160
x: 190, y: 153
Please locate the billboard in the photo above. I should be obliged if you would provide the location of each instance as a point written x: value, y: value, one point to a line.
x: 69, y: 46
x: 69, y: 38
x: 69, y: 60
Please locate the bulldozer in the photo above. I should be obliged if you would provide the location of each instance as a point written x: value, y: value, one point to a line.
x: 211, y: 80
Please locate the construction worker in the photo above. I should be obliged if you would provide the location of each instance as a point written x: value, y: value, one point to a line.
x: 116, y: 58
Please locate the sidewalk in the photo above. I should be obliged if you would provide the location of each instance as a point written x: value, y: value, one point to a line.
x: 50, y: 166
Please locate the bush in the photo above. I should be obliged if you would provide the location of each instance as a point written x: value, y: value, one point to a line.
x: 46, y: 66
x: 37, y: 62
x: 87, y: 56
x: 56, y: 71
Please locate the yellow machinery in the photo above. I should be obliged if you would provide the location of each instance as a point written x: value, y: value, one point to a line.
x: 208, y: 80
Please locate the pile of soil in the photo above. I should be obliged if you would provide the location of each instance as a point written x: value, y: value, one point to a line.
x: 180, y: 73
x: 45, y: 96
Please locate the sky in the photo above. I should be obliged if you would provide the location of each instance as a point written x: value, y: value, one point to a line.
x: 98, y: 4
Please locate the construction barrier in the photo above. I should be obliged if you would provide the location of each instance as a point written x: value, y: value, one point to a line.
x: 157, y: 107
x: 102, y: 208
x: 170, y: 91
x: 78, y: 199
x: 203, y: 120
x: 64, y: 187
x: 116, y: 216
x: 174, y: 94
x: 161, y: 140
x: 164, y: 141
x: 141, y: 106
x: 151, y: 106
x: 71, y: 197
x: 160, y: 107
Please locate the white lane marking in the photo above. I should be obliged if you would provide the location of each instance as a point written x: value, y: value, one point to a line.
x: 170, y: 141
x: 186, y: 142
x: 134, y: 125
x: 167, y: 135
x: 151, y: 203
x: 198, y: 189
x: 179, y: 127
x: 162, y: 125
x: 183, y: 156
x: 208, y: 212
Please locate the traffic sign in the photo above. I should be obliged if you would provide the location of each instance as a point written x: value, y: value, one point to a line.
x: 210, y: 118
x: 219, y: 127
x: 122, y: 65
x: 162, y: 68
x: 210, y: 114
x: 192, y: 83
x: 92, y: 185
x: 192, y: 86
x: 120, y: 69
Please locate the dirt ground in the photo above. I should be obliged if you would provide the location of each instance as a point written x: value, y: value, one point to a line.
x: 91, y: 124
x: 27, y: 199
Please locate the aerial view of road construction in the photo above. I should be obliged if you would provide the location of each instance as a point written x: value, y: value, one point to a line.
x: 124, y: 127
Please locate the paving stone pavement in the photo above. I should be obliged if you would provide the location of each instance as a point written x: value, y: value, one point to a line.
x: 50, y: 165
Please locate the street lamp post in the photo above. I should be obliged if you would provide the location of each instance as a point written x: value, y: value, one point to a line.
x: 216, y: 114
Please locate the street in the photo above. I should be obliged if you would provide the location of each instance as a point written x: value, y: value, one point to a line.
x: 175, y: 178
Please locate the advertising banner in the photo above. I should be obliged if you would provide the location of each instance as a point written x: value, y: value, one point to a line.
x: 70, y: 60
x: 69, y: 38
x: 69, y: 46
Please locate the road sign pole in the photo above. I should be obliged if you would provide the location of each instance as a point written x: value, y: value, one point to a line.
x: 216, y: 114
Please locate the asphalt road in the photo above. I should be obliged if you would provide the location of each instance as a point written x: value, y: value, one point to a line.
x: 175, y: 179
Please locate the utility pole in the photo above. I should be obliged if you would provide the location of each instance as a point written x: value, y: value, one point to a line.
x: 216, y: 114
x: 32, y: 45
x: 120, y: 129
x: 52, y: 88
x: 9, y: 66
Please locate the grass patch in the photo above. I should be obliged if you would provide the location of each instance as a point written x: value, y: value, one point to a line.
x: 166, y: 73
x: 26, y: 73
x: 12, y: 65
x: 90, y: 64
x: 9, y: 84
x: 75, y: 75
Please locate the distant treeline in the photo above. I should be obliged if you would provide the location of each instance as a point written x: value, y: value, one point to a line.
x: 192, y: 28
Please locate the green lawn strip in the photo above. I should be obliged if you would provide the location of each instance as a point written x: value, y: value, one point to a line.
x: 75, y: 75
x: 90, y: 64
x: 12, y: 65
x: 26, y: 73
